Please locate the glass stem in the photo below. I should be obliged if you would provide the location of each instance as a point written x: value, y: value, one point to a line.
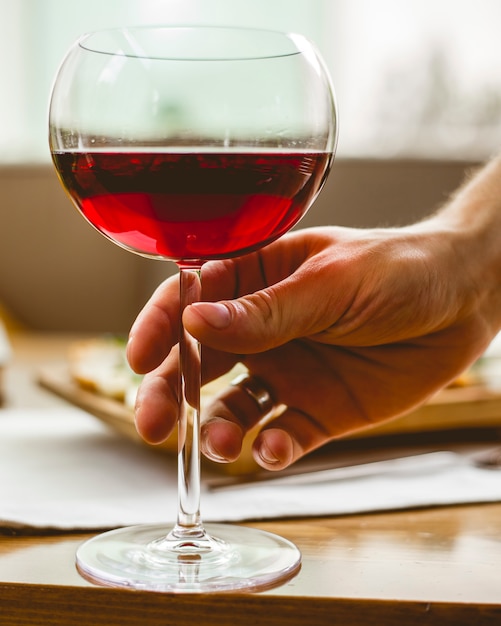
x: 189, y: 523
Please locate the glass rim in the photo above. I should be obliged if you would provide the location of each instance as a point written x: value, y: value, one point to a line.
x: 260, y: 43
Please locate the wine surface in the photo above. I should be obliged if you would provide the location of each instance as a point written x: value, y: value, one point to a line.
x: 188, y: 206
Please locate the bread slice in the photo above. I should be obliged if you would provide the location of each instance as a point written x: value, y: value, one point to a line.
x: 99, y: 365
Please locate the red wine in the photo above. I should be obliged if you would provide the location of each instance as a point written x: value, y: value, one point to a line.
x: 188, y: 206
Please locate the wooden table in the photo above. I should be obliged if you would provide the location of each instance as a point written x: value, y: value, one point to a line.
x: 437, y: 566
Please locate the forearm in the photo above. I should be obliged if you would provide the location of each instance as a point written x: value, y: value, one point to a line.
x: 471, y: 222
x: 475, y: 209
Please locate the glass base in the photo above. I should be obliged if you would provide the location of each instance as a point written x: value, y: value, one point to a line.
x: 218, y: 558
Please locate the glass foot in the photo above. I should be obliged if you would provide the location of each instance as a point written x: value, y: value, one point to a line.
x: 218, y: 558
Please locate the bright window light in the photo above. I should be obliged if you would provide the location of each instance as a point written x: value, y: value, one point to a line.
x: 414, y: 78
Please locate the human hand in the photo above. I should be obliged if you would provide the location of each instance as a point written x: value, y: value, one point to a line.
x: 346, y: 328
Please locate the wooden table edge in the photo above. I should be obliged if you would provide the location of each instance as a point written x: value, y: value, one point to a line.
x: 58, y: 606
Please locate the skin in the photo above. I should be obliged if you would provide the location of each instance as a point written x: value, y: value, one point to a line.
x: 345, y: 327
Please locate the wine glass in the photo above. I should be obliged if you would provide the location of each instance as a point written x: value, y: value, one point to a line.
x: 190, y: 144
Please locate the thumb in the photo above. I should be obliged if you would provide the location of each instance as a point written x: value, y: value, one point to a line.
x: 259, y: 321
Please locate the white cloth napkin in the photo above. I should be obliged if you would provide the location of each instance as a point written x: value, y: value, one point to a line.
x: 64, y: 469
x: 5, y: 349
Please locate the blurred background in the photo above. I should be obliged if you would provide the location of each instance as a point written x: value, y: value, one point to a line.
x: 419, y: 94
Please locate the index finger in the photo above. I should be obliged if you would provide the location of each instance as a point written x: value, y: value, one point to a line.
x: 156, y: 329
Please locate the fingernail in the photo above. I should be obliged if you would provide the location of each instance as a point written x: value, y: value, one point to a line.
x: 215, y: 314
x: 267, y: 456
x: 207, y: 446
x: 128, y: 345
